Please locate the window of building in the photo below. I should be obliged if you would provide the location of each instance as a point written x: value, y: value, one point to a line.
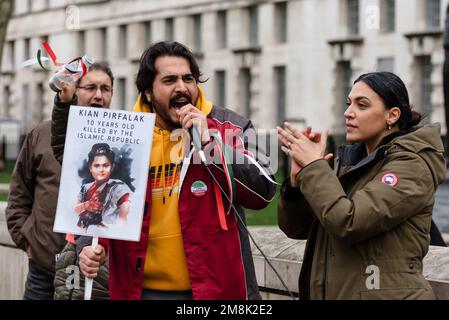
x: 26, y: 107
x: 26, y: 49
x: 82, y: 43
x: 220, y: 87
x: 6, y: 104
x: 425, y: 70
x: 245, y: 93
x: 169, y: 32
x: 353, y: 17
x: 11, y: 53
x: 28, y: 7
x: 122, y: 41
x: 433, y: 8
x: 281, y: 22
x: 104, y: 44
x: 344, y: 74
x: 121, y: 82
x: 197, y: 42
x: 40, y: 101
x: 385, y: 64
x: 253, y: 26
x: 148, y: 37
x: 222, y: 34
x: 388, y: 15
x: 281, y: 92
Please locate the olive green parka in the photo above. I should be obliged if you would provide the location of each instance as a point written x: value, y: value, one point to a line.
x: 367, y: 221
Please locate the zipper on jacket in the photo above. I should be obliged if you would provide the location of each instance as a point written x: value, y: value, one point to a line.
x: 75, y: 263
x: 145, y: 210
x: 139, y: 265
x: 337, y: 166
x: 325, y: 268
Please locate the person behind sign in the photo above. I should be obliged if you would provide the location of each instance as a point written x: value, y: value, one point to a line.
x: 34, y: 189
x: 189, y: 247
x: 102, y: 201
x: 368, y: 221
x: 95, y: 89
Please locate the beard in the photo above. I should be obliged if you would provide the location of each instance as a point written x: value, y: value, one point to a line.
x: 163, y: 114
x: 176, y: 102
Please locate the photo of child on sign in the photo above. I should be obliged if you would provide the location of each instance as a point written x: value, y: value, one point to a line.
x: 104, y: 173
x: 103, y: 200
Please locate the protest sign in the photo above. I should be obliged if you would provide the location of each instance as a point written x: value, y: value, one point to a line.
x: 104, y: 173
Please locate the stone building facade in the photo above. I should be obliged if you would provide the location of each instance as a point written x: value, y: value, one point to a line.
x: 267, y: 59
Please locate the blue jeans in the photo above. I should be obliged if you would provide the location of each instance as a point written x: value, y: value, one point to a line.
x: 39, y: 283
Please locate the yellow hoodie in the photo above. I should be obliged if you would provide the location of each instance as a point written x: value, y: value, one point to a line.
x: 165, y: 264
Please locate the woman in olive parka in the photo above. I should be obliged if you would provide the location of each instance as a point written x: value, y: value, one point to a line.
x: 367, y: 221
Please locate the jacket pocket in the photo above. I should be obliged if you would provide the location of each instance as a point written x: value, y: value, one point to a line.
x: 26, y: 230
x: 397, y: 294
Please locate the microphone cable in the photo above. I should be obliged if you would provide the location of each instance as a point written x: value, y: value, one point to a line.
x: 196, y: 139
x: 249, y: 234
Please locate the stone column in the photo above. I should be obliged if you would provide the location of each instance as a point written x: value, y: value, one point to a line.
x: 136, y: 41
x: 94, y: 43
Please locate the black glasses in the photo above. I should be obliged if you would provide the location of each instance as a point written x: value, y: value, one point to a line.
x: 91, y: 88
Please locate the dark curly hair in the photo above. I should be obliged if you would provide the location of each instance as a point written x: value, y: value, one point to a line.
x: 147, y: 70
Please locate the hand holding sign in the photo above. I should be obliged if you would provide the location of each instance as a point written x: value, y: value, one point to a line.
x: 90, y: 260
x: 104, y: 178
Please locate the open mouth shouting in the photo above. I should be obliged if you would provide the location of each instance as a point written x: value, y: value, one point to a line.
x: 180, y: 100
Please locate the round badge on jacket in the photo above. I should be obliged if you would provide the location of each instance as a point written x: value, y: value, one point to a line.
x: 390, y: 179
x: 198, y: 188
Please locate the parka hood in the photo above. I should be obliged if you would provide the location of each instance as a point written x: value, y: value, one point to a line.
x: 426, y: 142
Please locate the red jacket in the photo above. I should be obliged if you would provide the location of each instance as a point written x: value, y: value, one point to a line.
x: 219, y: 262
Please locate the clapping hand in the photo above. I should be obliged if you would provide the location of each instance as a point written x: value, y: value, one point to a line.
x: 303, y: 147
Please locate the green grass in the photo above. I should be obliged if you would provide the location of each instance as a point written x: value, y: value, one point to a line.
x: 264, y: 217
x: 268, y: 215
x: 5, y: 175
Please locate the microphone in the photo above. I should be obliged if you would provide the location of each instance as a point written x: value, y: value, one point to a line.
x: 196, y: 140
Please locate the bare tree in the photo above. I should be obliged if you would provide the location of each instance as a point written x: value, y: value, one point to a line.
x: 5, y: 14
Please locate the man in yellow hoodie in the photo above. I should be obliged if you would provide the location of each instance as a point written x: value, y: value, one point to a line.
x: 192, y: 244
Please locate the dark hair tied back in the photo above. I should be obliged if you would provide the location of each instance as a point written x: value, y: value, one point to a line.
x: 393, y: 92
